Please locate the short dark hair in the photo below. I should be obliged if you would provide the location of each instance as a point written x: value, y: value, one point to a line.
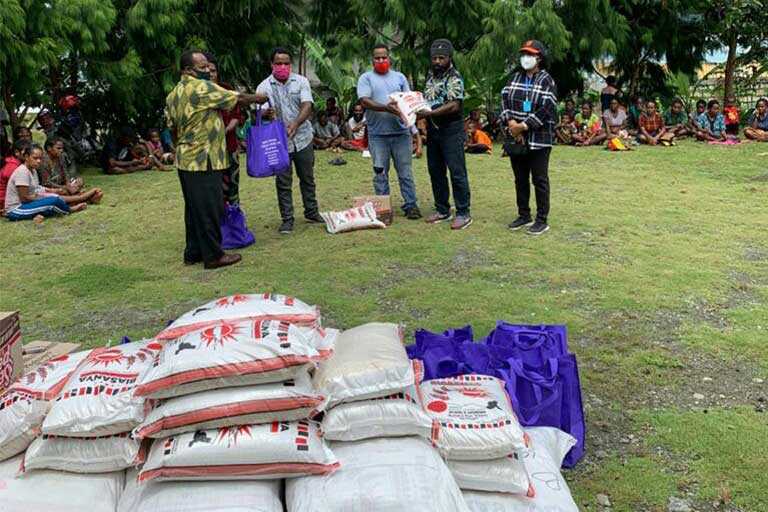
x: 381, y: 46
x: 712, y: 103
x: 187, y: 59
x: 19, y: 145
x: 649, y: 102
x: 701, y: 103
x: 211, y: 58
x: 610, y: 80
x: 587, y: 103
x: 17, y: 131
x: 762, y: 100
x: 677, y: 101
x: 27, y: 150
x: 51, y: 141
x: 282, y: 51
x: 153, y: 130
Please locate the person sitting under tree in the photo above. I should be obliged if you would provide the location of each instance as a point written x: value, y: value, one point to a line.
x: 117, y: 158
x: 589, y: 129
x: 58, y: 172
x: 711, y: 123
x: 22, y: 133
x: 492, y: 127
x: 693, y: 118
x: 615, y: 120
x: 636, y: 109
x: 652, y: 129
x: 334, y: 112
x: 732, y: 116
x: 327, y: 134
x: 26, y: 199
x: 758, y: 123
x: 478, y: 141
x: 356, y: 124
x: 157, y: 150
x: 565, y: 129
x: 676, y: 120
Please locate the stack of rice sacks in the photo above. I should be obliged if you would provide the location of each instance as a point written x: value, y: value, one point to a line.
x: 379, y: 431
x: 235, y: 397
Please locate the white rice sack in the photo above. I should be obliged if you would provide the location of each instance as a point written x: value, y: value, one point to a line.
x: 259, y: 496
x: 369, y: 361
x: 542, y: 460
x: 289, y: 400
x: 381, y: 475
x: 244, y: 452
x: 23, y: 406
x: 474, y: 416
x: 238, y: 353
x: 400, y: 414
x: 507, y: 475
x: 55, y: 491
x: 84, y: 455
x: 98, y: 399
x: 409, y: 103
x: 266, y: 306
x: 360, y: 217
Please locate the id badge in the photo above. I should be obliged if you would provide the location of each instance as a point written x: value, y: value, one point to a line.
x: 527, y: 106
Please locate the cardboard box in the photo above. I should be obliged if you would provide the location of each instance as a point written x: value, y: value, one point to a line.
x: 11, y: 360
x: 38, y: 352
x: 382, y: 205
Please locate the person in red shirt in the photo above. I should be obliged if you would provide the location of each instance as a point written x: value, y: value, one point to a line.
x: 732, y: 116
x: 9, y: 165
x: 652, y: 129
x: 232, y: 120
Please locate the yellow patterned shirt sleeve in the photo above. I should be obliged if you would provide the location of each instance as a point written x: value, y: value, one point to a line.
x: 193, y: 108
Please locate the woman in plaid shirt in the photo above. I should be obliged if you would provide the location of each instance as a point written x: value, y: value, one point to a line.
x: 528, y: 105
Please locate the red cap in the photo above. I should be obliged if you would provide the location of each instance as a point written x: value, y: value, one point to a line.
x: 532, y: 46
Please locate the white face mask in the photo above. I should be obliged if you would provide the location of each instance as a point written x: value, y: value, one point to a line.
x: 528, y: 62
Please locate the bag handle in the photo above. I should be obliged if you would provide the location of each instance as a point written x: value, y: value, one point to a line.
x: 258, y: 116
x: 536, y: 378
x: 528, y: 416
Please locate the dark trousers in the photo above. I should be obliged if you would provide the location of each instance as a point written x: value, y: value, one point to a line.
x: 304, y: 163
x: 232, y: 179
x: 203, y: 209
x: 445, y: 152
x: 533, y: 166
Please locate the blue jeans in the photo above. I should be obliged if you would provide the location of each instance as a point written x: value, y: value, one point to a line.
x: 47, y: 207
x: 400, y: 149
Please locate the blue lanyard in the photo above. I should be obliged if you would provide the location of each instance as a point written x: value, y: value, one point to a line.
x: 528, y: 87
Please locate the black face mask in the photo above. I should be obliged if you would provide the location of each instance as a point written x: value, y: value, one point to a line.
x: 358, y: 117
x: 438, y: 70
x: 201, y: 75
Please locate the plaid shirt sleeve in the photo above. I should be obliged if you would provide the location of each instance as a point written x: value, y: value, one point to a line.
x: 541, y: 120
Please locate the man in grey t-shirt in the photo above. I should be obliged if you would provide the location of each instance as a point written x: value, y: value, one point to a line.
x: 387, y: 137
x: 290, y: 97
x: 327, y: 134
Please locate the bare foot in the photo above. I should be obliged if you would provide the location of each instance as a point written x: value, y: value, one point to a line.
x: 38, y: 219
x: 78, y: 207
x: 96, y: 197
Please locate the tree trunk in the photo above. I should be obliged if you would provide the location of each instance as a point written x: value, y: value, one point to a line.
x: 9, y: 106
x: 730, y: 65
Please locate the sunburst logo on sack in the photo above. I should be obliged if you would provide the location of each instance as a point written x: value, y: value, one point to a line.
x: 218, y: 335
x: 229, y: 436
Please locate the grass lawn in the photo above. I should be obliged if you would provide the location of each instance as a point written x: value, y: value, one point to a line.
x: 657, y: 262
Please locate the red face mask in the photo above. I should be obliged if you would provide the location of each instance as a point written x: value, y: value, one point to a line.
x: 381, y: 66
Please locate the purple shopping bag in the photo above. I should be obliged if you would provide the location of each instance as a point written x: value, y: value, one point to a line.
x: 534, y: 344
x: 267, y: 149
x: 234, y: 231
x: 440, y: 353
x: 548, y: 395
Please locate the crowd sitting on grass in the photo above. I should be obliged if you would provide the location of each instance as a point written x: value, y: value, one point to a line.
x: 641, y: 122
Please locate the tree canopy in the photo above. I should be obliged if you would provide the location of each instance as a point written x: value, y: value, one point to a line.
x: 120, y: 56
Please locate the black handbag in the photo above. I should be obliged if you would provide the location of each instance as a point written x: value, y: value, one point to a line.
x: 514, y: 148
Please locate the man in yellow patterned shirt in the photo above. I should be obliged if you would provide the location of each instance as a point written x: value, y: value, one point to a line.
x: 192, y: 111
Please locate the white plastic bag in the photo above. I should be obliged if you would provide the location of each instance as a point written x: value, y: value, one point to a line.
x: 261, y: 496
x: 475, y: 417
x: 244, y: 452
x: 353, y: 219
x: 98, y: 398
x: 381, y: 475
x: 543, y: 459
x: 400, y: 414
x: 266, y: 306
x: 238, y: 353
x: 369, y: 361
x: 294, y: 399
x: 507, y: 475
x: 84, y: 455
x: 56, y: 491
x: 409, y: 103
x: 24, y: 405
